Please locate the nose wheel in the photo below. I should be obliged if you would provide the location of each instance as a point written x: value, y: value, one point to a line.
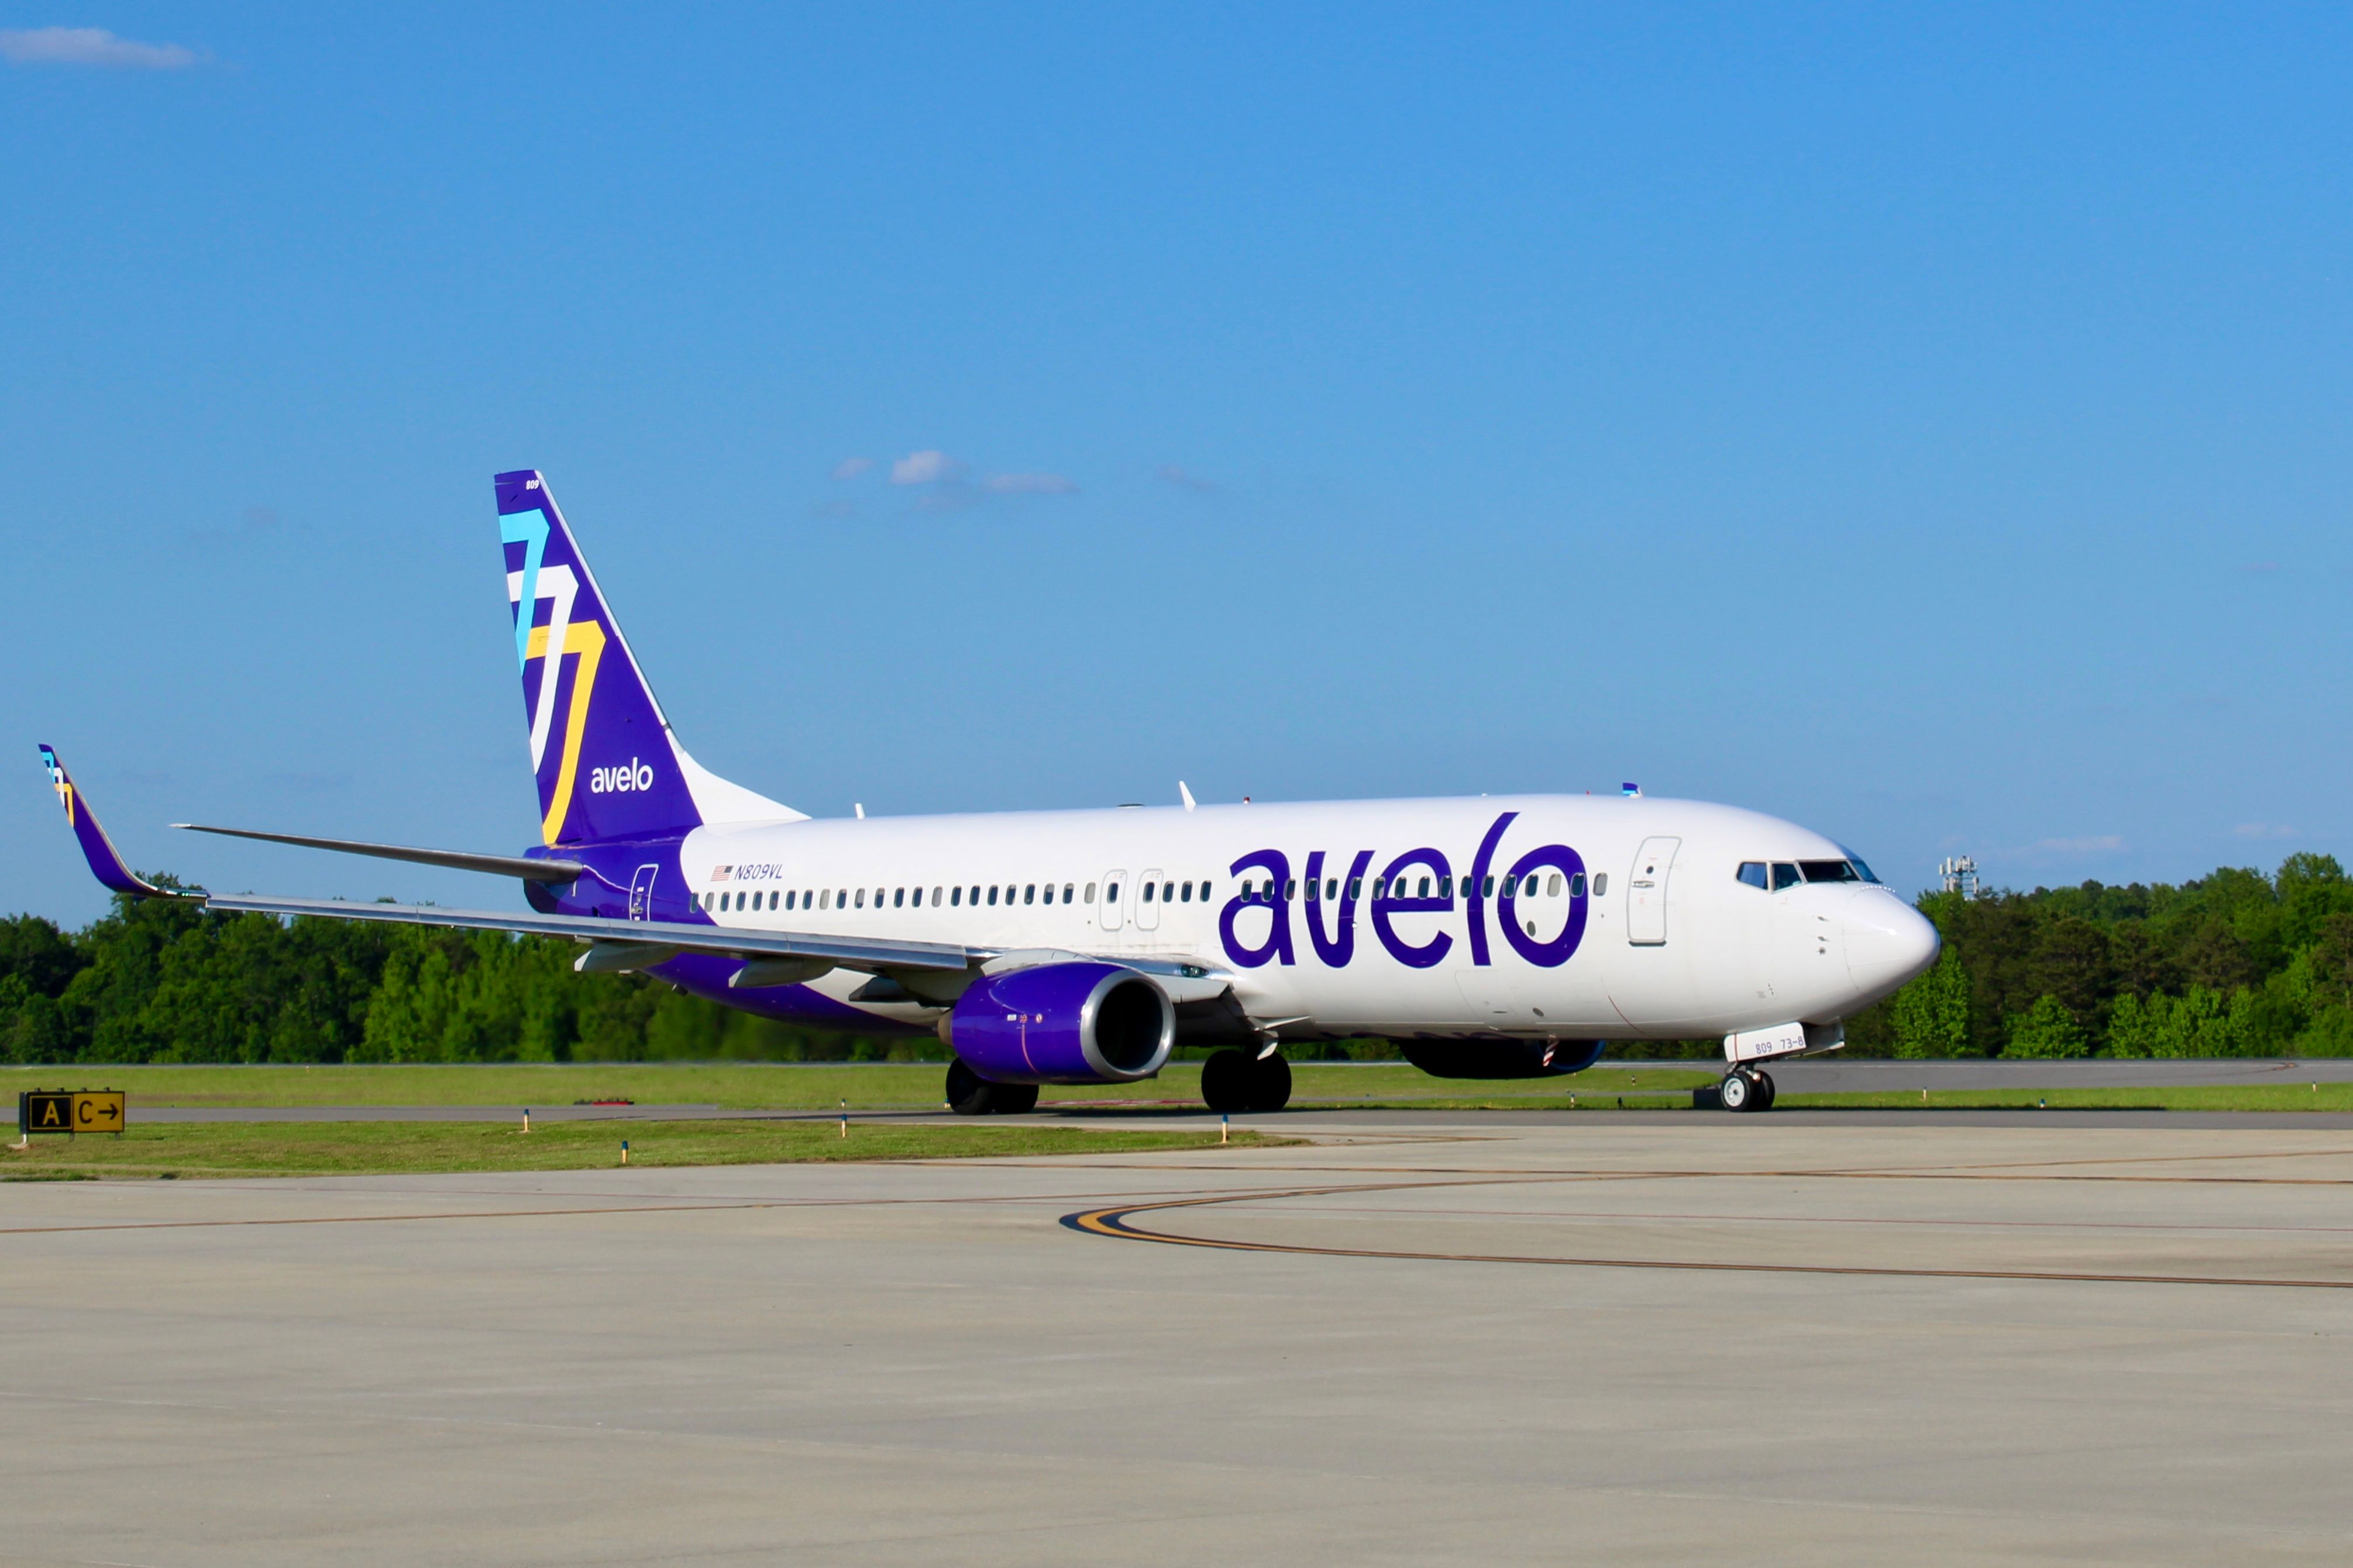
x: 1746, y: 1088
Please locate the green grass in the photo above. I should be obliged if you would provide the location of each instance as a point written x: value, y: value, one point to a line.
x: 2182, y: 1097
x: 776, y: 1087
x: 408, y: 1148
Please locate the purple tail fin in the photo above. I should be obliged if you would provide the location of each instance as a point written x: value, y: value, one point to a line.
x: 607, y: 765
x: 96, y: 848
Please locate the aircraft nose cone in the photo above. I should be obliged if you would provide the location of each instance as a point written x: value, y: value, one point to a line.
x: 1887, y: 942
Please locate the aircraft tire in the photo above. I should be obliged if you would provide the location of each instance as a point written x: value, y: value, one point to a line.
x: 1013, y: 1099
x: 1227, y: 1079
x: 969, y: 1094
x: 1766, y: 1091
x: 1270, y: 1084
x: 1737, y: 1092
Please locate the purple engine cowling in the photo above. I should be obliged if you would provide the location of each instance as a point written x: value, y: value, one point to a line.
x: 1063, y: 1023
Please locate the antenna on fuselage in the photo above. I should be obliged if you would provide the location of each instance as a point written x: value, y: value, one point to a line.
x: 1184, y: 794
x: 860, y: 807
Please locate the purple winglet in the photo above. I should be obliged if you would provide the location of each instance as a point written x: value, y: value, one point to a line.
x: 96, y: 848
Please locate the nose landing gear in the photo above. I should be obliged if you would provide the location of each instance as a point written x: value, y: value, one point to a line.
x: 1746, y: 1088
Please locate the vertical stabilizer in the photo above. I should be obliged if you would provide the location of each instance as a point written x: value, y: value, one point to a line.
x: 606, y: 764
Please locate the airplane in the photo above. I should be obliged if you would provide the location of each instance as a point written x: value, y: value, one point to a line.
x: 1512, y: 936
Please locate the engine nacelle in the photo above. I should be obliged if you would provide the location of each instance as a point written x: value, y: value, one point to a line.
x: 1063, y: 1023
x: 1501, y: 1058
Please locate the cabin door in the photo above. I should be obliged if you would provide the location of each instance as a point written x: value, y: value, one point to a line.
x: 1148, y: 888
x: 1646, y: 892
x: 1112, y: 912
x: 641, y: 892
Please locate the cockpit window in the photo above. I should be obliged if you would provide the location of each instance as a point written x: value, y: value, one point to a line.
x: 1859, y: 868
x: 1752, y: 872
x: 1785, y: 875
x: 1829, y: 871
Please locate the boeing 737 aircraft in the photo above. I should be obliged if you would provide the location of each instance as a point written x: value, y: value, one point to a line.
x: 1503, y: 937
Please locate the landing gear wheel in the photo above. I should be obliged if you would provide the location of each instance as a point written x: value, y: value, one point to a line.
x: 969, y: 1094
x: 1737, y: 1092
x: 1016, y: 1099
x: 1270, y: 1084
x: 1765, y: 1090
x: 1229, y: 1076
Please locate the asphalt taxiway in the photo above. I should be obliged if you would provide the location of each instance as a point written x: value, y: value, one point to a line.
x: 1472, y: 1339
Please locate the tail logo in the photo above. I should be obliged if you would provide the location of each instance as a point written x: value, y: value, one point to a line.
x: 585, y: 640
x: 634, y: 775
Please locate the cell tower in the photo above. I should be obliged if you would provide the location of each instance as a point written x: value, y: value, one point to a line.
x: 1960, y: 873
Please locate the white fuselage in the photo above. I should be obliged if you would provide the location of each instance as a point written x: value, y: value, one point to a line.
x: 1672, y: 943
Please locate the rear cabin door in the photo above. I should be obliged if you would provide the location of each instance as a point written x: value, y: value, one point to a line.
x: 641, y: 892
x: 1646, y: 892
x: 1112, y: 911
x: 1148, y: 888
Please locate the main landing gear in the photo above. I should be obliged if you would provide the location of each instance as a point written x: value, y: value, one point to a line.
x: 969, y: 1094
x: 1746, y: 1088
x: 1237, y: 1080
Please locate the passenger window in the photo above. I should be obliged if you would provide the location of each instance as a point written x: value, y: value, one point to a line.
x: 1090, y: 892
x: 1487, y: 887
x: 1577, y: 885
x: 1356, y: 887
x: 1752, y: 872
x: 1030, y: 894
x: 992, y: 897
x: 1110, y: 893
x: 1315, y: 890
x: 1446, y: 886
x: 1425, y: 886
x: 1205, y: 892
x: 1167, y: 891
x: 935, y: 897
x: 1784, y: 876
x: 898, y: 899
x: 955, y: 897
x: 1147, y: 894
x: 1552, y: 885
x: 1290, y: 889
x: 1066, y: 892
x: 1602, y: 884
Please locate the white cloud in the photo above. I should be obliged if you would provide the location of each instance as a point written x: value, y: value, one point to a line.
x: 2106, y: 843
x: 850, y: 467
x: 925, y: 467
x: 1028, y: 485
x: 2264, y: 830
x: 1177, y: 475
x: 90, y: 47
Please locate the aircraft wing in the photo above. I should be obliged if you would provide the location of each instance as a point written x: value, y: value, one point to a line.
x: 848, y: 952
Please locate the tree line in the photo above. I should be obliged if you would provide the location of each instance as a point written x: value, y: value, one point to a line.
x: 2235, y: 964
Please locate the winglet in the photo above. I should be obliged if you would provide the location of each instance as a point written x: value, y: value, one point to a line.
x: 96, y: 848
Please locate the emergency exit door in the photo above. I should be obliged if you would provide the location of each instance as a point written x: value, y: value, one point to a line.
x: 1646, y: 892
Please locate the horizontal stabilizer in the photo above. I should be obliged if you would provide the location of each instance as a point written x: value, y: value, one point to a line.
x: 848, y: 952
x: 528, y: 869
x: 96, y: 848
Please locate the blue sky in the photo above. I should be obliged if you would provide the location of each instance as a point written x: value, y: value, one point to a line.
x: 1930, y: 424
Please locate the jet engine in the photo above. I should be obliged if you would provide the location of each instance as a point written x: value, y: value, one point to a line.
x: 1063, y: 1023
x: 1501, y: 1058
